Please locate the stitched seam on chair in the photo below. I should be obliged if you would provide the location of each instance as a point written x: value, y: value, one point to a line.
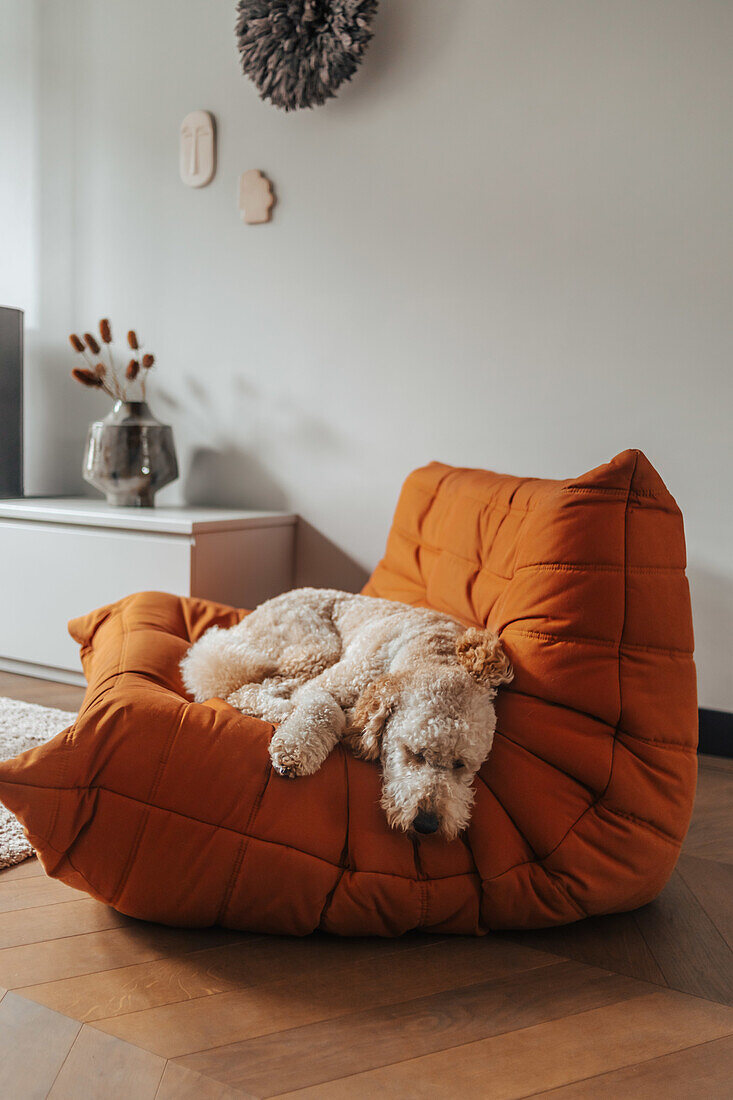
x: 562, y: 887
x: 64, y: 766
x: 621, y: 636
x: 619, y: 490
x: 434, y: 494
x: 424, y: 903
x: 584, y: 566
x: 596, y: 801
x: 603, y: 807
x: 638, y: 497
x: 511, y: 690
x: 678, y: 746
x: 132, y: 856
x: 345, y: 861
x: 227, y: 896
x: 664, y: 651
x: 543, y: 760
x: 478, y: 567
x: 655, y: 508
x: 423, y: 886
x: 507, y: 511
x: 509, y: 817
x: 421, y: 880
x: 452, y: 553
x: 229, y: 888
x: 607, y: 643
x: 548, y: 636
x: 237, y: 832
x: 64, y: 772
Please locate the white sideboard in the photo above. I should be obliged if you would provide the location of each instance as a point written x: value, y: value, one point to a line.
x: 62, y: 557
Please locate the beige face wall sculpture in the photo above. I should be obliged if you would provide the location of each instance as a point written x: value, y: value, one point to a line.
x: 197, y: 149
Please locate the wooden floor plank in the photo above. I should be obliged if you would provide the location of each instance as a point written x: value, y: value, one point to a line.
x: 252, y: 961
x: 690, y: 951
x: 45, y: 692
x: 48, y: 922
x: 183, y: 1084
x: 304, y: 998
x: 704, y: 1071
x: 712, y: 884
x: 34, y: 1041
x: 710, y: 835
x: 29, y: 868
x: 26, y: 893
x: 100, y: 1067
x: 544, y: 1056
x: 612, y: 943
x: 132, y: 988
x: 31, y: 964
x: 325, y: 1051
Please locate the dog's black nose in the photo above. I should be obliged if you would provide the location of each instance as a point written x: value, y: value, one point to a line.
x: 426, y: 823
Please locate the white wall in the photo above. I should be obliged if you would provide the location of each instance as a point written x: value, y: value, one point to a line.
x: 506, y: 244
x: 18, y: 140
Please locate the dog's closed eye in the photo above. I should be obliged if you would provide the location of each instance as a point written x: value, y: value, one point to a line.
x: 417, y: 758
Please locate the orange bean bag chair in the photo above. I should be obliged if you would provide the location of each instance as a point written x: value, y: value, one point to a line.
x: 170, y: 811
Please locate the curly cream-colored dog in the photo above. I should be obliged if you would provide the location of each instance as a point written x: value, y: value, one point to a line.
x: 405, y: 684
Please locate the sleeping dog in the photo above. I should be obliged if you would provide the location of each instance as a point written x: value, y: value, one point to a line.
x: 405, y: 685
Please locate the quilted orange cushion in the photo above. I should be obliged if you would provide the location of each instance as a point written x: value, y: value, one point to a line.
x: 169, y: 810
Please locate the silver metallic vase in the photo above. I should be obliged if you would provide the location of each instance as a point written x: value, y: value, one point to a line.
x: 130, y: 455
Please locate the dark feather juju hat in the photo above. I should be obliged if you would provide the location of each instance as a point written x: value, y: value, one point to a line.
x: 298, y: 53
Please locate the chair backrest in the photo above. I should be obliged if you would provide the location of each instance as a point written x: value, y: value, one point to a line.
x: 455, y: 539
x: 583, y: 579
x: 489, y: 548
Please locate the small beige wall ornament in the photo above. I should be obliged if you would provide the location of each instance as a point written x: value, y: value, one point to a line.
x: 255, y: 197
x: 198, y: 149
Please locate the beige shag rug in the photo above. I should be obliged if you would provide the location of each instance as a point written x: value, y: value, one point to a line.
x: 23, y: 726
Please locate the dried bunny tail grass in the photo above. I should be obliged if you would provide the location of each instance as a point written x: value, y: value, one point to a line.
x: 91, y: 343
x: 105, y: 331
x: 76, y: 343
x: 132, y: 339
x: 86, y: 377
x: 133, y: 369
x: 148, y: 361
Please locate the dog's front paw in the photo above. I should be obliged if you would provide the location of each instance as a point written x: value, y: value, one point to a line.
x: 290, y: 761
x: 286, y: 765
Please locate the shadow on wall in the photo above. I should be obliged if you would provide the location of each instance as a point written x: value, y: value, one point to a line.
x: 402, y: 36
x: 57, y: 415
x: 231, y: 477
x: 319, y: 563
x: 712, y: 604
x: 226, y: 475
x: 235, y: 478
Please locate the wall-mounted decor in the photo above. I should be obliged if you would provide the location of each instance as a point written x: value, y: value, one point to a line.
x: 197, y: 160
x: 255, y: 197
x: 11, y: 406
x: 298, y: 53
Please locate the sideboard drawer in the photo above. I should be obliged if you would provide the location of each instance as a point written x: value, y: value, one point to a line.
x: 50, y: 573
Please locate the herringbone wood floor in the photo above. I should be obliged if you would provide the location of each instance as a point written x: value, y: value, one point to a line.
x: 636, y: 1005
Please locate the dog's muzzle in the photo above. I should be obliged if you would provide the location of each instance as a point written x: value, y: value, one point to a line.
x: 426, y: 823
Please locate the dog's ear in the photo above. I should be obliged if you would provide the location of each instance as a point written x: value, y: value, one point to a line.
x: 369, y: 716
x: 481, y: 654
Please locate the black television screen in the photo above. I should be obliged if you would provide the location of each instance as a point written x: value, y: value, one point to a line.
x: 11, y: 402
